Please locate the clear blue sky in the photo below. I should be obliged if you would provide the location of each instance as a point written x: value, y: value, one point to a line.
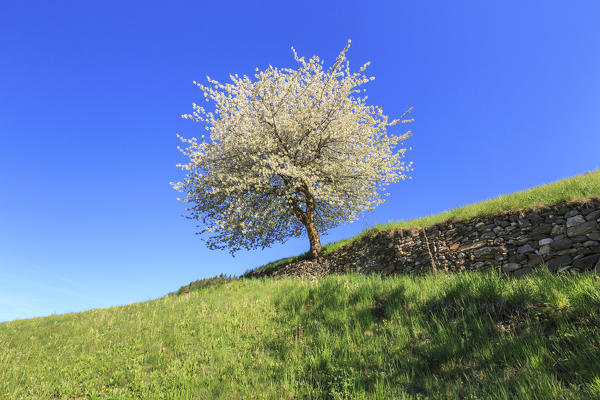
x: 506, y: 96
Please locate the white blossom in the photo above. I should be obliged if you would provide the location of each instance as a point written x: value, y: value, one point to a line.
x: 289, y: 150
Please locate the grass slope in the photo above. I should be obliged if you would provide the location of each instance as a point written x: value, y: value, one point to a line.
x: 574, y: 188
x: 470, y: 335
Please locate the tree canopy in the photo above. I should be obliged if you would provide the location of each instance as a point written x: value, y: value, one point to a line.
x: 293, y: 151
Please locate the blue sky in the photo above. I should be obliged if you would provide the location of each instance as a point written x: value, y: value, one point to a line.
x: 505, y: 97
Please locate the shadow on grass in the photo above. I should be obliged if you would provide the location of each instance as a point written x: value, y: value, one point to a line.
x: 471, y: 340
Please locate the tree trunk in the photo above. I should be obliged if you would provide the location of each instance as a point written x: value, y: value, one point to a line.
x: 313, y: 237
x: 308, y: 220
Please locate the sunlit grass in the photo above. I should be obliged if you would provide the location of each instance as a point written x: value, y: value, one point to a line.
x: 471, y: 335
x: 468, y: 335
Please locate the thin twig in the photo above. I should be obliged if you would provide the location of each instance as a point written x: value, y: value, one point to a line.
x: 429, y: 251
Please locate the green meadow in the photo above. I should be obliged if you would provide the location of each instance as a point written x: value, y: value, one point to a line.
x: 468, y: 335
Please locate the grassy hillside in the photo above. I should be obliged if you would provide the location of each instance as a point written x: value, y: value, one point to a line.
x: 471, y: 335
x: 574, y: 188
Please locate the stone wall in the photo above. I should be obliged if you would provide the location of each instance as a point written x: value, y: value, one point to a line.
x: 565, y: 236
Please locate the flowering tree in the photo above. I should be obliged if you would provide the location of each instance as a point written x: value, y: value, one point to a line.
x: 288, y: 153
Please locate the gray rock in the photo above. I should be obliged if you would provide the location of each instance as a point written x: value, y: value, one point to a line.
x: 525, y: 249
x: 561, y: 244
x: 558, y: 230
x: 488, y: 235
x: 565, y: 268
x: 501, y: 222
x: 576, y: 220
x: 571, y: 213
x: 521, y: 272
x: 590, y: 243
x: 582, y: 229
x: 478, y: 265
x: 479, y: 225
x: 593, y: 215
x: 591, y: 250
x: 485, y: 251
x: 542, y: 229
x: 498, y: 229
x: 587, y: 262
x: 579, y: 239
x: 498, y: 241
x: 533, y: 259
x: 475, y: 245
x: 558, y: 262
x: 510, y: 267
x: 593, y: 236
x: 563, y: 210
x: 535, y: 218
x: 545, y: 241
x: 566, y: 251
x: 544, y: 250
x: 517, y: 258
x: 510, y: 228
x: 524, y: 222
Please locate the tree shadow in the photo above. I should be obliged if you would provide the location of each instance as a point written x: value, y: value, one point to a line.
x: 486, y: 318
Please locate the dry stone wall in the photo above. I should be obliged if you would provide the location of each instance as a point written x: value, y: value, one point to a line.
x: 565, y: 237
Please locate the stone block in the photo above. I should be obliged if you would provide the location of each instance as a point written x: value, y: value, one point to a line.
x: 542, y: 228
x: 510, y: 267
x: 557, y: 230
x: 593, y: 215
x: 520, y: 272
x: 544, y: 250
x: 582, y: 229
x: 586, y: 262
x: 561, y: 244
x: 557, y: 262
x: 571, y: 213
x: 574, y: 221
x: 488, y: 236
x: 533, y: 259
x: 593, y: 236
x: 524, y: 223
x: 525, y: 249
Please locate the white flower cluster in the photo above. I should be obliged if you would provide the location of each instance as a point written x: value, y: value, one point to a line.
x: 291, y: 149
